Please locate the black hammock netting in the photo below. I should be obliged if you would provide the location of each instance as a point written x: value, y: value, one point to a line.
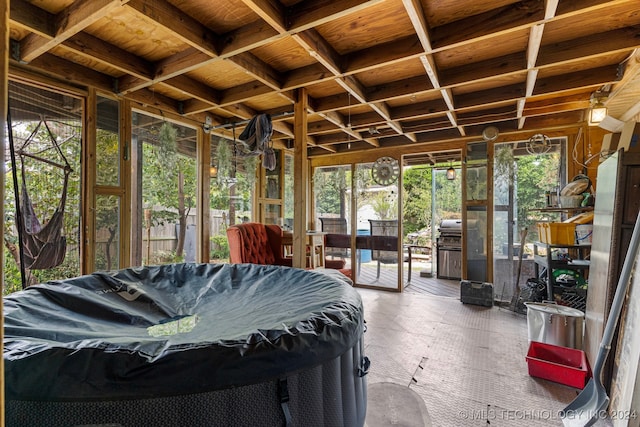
x: 42, y: 246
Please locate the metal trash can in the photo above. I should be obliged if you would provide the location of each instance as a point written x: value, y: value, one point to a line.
x: 555, y: 324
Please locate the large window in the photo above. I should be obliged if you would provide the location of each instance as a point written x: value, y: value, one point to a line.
x: 46, y: 130
x: 166, y: 201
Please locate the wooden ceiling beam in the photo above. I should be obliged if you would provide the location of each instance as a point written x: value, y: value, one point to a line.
x: 487, y: 117
x: 532, y: 75
x: 337, y: 138
x: 437, y: 107
x: 183, y: 26
x: 272, y: 12
x: 419, y: 21
x: 319, y: 49
x: 353, y: 87
x: 573, y: 8
x: 242, y: 93
x: 619, y: 40
x: 594, y: 77
x: 365, y: 120
x: 195, y: 89
x: 385, y: 112
x: 151, y: 101
x: 383, y: 55
x: 247, y: 38
x: 549, y: 122
x: 490, y: 96
x: 32, y: 18
x: 312, y: 13
x: 311, y: 74
x: 70, y: 21
x: 258, y: 69
x: 193, y: 106
x: 483, y: 70
x: 509, y: 18
x: 399, y: 88
x: 428, y: 125
x: 92, y: 48
x: 322, y: 126
x: 54, y: 66
x: 342, y: 123
x: 555, y: 108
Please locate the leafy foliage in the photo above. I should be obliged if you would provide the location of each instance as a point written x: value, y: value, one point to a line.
x: 219, y: 248
x: 417, y: 199
x: 330, y: 186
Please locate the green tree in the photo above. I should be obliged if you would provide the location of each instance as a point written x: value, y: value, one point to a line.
x: 330, y: 186
x: 417, y: 198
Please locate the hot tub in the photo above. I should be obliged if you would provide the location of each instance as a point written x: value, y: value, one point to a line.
x: 186, y: 345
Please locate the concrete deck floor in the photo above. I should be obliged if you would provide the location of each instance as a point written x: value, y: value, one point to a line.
x: 466, y: 362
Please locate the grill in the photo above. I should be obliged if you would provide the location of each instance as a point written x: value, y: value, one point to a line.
x: 450, y: 234
x: 449, y: 247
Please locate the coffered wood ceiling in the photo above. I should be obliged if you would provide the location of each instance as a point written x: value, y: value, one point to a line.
x: 379, y: 73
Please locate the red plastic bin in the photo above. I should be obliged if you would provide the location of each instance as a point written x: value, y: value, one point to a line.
x: 559, y: 364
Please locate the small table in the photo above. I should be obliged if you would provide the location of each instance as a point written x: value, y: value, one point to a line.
x: 315, y: 247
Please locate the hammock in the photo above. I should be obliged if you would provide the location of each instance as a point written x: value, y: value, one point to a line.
x: 44, y: 246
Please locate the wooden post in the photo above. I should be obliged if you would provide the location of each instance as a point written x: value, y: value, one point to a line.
x: 203, y: 227
x: 300, y: 179
x: 147, y: 224
x: 4, y: 97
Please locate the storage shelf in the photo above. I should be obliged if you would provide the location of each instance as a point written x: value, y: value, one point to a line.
x: 549, y: 264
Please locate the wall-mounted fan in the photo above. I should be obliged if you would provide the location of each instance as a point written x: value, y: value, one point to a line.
x: 385, y: 170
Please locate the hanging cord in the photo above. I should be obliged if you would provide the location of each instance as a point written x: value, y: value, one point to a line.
x: 235, y: 153
x: 19, y: 223
x: 574, y: 152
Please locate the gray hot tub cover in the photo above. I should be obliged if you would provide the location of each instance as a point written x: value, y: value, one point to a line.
x: 173, y: 329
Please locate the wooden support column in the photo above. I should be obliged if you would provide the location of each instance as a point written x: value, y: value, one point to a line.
x: 203, y: 227
x: 4, y: 97
x: 300, y: 179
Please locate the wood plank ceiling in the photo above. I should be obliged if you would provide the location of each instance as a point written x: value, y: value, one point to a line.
x: 379, y: 73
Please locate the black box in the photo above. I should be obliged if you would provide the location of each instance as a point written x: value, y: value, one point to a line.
x: 477, y: 293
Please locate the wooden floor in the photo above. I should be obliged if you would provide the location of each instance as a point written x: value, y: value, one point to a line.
x: 417, y: 284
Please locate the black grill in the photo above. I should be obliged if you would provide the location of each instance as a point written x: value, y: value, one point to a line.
x: 450, y: 234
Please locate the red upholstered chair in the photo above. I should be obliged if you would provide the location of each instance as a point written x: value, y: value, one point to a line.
x: 256, y: 243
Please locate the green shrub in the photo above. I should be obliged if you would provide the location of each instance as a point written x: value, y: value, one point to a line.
x: 219, y: 247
